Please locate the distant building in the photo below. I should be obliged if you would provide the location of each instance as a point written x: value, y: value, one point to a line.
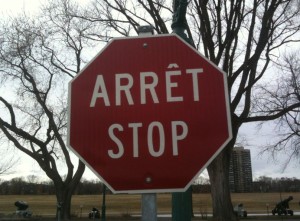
x: 240, y: 171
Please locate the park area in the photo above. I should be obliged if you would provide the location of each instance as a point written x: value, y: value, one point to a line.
x: 126, y: 206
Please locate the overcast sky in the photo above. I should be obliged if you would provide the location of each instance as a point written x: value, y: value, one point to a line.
x: 261, y: 165
x: 17, y: 6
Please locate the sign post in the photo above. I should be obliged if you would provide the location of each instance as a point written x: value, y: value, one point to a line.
x: 148, y: 114
x: 182, y: 205
x: 149, y: 206
x: 103, y: 207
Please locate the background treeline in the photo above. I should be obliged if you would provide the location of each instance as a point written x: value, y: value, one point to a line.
x: 261, y: 184
x: 27, y: 186
x: 32, y: 185
x: 284, y: 184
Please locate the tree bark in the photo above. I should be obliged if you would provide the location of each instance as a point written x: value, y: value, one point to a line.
x: 218, y: 172
x: 64, y: 193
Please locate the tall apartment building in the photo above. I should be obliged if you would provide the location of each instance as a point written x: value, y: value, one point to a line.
x: 240, y: 171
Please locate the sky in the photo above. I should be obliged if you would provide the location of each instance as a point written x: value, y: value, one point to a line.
x: 16, y: 6
x: 262, y: 165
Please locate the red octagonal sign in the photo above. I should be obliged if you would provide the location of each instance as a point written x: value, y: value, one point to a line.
x: 148, y: 114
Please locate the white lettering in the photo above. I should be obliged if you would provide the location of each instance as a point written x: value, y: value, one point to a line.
x: 116, y: 140
x: 170, y: 85
x: 194, y: 73
x: 148, y: 83
x: 135, y: 137
x: 161, y: 133
x: 179, y: 131
x: 125, y: 88
x: 176, y: 137
x: 96, y: 94
x: 150, y: 86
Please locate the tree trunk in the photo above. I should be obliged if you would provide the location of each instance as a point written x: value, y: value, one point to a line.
x: 218, y: 172
x: 64, y: 197
x: 66, y: 215
x: 64, y: 193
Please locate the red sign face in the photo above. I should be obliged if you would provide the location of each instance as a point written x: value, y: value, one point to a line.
x: 148, y: 114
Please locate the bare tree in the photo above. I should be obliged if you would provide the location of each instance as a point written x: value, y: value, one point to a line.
x: 241, y: 37
x: 38, y: 56
x: 287, y: 139
x: 8, y: 159
x: 7, y: 164
x: 244, y: 38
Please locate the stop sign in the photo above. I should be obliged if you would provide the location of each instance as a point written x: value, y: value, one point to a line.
x: 148, y: 114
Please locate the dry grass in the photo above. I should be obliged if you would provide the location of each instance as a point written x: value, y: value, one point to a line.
x: 128, y: 204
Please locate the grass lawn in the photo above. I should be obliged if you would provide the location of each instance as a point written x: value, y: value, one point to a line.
x: 129, y: 204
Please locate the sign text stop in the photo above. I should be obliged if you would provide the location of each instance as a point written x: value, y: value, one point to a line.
x: 148, y: 114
